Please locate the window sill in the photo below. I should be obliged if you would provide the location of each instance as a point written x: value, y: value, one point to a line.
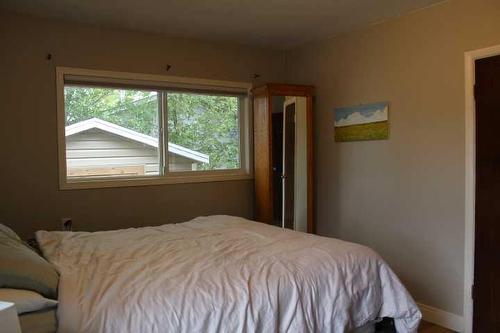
x: 148, y: 181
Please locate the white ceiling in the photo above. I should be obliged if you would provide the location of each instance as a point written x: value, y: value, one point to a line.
x: 270, y: 23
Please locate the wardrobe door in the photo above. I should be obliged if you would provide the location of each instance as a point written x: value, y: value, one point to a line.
x: 289, y: 172
x: 263, y: 159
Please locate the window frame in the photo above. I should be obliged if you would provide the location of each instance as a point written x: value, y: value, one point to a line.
x: 159, y: 82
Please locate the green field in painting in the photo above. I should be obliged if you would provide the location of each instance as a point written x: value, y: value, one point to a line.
x: 371, y: 131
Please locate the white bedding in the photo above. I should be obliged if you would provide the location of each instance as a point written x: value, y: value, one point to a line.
x: 220, y: 274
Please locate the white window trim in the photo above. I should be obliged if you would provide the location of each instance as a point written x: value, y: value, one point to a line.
x: 245, y: 171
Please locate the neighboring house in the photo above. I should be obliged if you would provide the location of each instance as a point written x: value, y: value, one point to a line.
x: 96, y: 147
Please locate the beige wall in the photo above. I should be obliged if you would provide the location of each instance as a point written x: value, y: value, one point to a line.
x: 29, y: 194
x: 405, y: 196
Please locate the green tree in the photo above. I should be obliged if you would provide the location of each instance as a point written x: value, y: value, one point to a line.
x: 133, y: 109
x: 208, y: 124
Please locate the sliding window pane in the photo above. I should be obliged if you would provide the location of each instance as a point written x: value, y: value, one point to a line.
x: 203, y: 132
x: 111, y: 132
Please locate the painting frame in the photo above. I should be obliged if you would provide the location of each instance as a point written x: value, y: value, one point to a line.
x: 363, y: 122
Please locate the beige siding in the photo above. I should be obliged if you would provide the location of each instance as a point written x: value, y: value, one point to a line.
x: 95, y: 148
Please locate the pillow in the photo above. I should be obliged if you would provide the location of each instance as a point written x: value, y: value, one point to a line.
x: 8, y: 231
x: 26, y: 300
x: 22, y: 268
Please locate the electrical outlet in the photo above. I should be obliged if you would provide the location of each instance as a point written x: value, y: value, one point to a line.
x: 66, y: 224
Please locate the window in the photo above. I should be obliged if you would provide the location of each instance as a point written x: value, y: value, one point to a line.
x: 207, y: 124
x: 111, y: 132
x: 122, y: 129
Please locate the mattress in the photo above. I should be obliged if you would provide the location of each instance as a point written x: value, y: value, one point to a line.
x: 44, y: 321
x: 221, y: 274
x: 367, y: 328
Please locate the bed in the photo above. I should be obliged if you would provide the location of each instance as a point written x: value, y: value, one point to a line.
x: 221, y: 274
x: 43, y: 321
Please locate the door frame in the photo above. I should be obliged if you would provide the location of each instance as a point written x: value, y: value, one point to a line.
x: 470, y: 177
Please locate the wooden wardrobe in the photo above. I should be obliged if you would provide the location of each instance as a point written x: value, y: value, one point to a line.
x: 284, y: 171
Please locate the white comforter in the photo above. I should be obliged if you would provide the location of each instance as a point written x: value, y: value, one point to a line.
x: 220, y: 274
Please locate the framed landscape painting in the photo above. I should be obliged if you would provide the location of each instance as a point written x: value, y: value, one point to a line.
x: 363, y: 122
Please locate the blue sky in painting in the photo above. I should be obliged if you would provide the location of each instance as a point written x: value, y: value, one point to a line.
x: 366, y: 110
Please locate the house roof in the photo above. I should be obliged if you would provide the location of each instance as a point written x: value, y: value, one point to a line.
x: 106, y: 126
